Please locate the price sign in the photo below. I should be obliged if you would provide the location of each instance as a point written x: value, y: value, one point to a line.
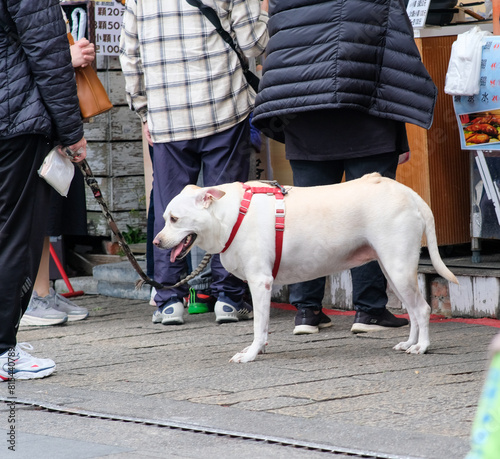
x: 417, y: 12
x: 108, y: 24
x: 478, y: 116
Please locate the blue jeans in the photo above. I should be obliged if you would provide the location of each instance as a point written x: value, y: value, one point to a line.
x: 225, y: 157
x: 368, y: 282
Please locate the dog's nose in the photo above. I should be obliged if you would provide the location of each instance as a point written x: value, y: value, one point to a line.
x: 156, y: 242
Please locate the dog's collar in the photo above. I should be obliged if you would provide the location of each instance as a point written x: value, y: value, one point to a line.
x: 278, y: 191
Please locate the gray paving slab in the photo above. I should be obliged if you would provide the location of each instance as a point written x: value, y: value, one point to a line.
x: 32, y: 446
x: 333, y: 390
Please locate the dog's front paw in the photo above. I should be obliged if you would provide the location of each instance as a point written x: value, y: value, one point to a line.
x: 242, y: 357
x: 404, y: 346
x: 248, y: 354
x: 417, y: 349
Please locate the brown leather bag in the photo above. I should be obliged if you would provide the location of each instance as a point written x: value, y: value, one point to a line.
x: 91, y: 93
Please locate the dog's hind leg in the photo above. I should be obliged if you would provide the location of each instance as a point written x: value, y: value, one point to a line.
x: 418, y: 310
x: 403, y: 281
x: 419, y: 331
x: 261, y: 300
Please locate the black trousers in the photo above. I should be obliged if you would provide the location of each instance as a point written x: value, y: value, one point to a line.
x: 368, y: 282
x: 24, y: 200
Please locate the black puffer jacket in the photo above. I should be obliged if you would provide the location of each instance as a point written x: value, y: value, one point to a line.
x: 331, y: 54
x: 37, y: 82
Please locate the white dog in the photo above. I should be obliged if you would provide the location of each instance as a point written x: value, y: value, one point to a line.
x: 327, y: 229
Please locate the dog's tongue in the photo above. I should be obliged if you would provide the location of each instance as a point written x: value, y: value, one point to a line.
x: 176, y: 251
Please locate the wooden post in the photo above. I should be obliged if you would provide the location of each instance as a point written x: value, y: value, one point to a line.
x: 496, y: 17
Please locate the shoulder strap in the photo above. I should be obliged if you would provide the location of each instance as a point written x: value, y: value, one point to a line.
x: 213, y: 17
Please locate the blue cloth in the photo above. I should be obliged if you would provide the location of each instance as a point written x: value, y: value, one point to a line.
x: 255, y: 135
x: 150, y: 231
x: 225, y: 158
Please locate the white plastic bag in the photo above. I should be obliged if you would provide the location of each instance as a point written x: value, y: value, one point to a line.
x: 57, y: 171
x: 462, y: 77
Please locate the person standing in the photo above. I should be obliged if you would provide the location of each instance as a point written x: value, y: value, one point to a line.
x: 67, y: 216
x: 189, y: 90
x: 38, y: 104
x: 340, y: 81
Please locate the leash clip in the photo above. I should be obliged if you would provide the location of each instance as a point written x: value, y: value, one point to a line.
x: 277, y: 185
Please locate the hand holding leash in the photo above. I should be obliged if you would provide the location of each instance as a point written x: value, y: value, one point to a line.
x: 77, y: 152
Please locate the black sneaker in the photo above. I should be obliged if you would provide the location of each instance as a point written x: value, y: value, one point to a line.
x: 364, y: 322
x: 308, y: 320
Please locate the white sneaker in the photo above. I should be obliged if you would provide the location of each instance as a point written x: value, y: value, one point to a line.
x: 170, y: 313
x: 227, y: 310
x: 16, y: 363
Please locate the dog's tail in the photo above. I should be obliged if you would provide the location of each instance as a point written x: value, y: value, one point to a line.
x: 432, y: 246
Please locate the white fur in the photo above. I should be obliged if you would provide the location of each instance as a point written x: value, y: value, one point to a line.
x: 327, y: 229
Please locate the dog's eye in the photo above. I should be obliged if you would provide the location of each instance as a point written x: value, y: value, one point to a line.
x: 173, y: 219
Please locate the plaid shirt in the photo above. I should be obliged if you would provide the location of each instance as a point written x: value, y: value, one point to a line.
x: 181, y: 76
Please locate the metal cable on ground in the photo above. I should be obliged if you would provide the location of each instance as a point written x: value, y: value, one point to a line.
x: 207, y: 430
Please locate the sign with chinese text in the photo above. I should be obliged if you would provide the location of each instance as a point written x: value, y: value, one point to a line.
x: 108, y: 24
x: 417, y: 12
x: 478, y: 116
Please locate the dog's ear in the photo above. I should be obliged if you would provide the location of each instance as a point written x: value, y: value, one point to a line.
x: 208, y: 195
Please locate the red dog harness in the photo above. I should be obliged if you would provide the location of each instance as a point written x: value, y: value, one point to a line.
x: 278, y: 191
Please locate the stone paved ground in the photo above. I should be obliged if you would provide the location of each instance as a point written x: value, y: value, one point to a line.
x: 333, y: 387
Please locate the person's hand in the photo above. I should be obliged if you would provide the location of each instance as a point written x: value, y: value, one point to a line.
x: 146, y: 133
x: 80, y: 150
x: 264, y: 5
x: 82, y: 53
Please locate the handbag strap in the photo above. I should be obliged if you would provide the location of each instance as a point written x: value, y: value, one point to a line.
x: 213, y: 17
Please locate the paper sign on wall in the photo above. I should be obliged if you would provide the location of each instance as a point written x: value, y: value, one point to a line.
x: 417, y: 12
x: 478, y: 116
x: 108, y: 24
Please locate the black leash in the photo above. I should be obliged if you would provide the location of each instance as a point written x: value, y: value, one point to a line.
x: 145, y: 279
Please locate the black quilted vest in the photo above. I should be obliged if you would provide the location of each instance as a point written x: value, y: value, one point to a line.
x: 333, y: 54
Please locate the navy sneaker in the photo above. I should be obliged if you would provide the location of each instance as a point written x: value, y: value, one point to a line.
x: 365, y: 322
x: 226, y: 310
x: 309, y: 320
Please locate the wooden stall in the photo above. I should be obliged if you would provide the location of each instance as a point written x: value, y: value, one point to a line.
x: 439, y: 169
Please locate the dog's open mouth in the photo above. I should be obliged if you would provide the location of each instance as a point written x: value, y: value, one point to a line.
x: 183, y: 248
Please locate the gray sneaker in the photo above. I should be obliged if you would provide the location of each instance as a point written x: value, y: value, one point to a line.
x: 62, y: 304
x: 41, y: 312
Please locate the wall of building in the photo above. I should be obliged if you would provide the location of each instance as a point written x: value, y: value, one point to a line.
x: 115, y: 155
